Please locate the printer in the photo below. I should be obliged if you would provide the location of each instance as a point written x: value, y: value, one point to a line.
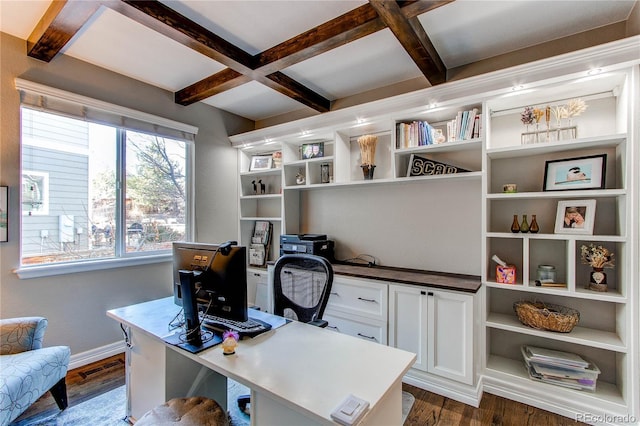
x: 317, y: 244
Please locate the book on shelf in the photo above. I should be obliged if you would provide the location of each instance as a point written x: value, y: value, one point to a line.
x: 465, y: 126
x: 414, y: 134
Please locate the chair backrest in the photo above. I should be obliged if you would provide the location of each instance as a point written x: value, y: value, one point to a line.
x: 301, y: 286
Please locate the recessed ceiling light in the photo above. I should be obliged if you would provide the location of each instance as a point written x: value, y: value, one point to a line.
x: 594, y: 71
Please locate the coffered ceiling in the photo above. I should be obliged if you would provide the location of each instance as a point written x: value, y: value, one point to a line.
x: 264, y: 58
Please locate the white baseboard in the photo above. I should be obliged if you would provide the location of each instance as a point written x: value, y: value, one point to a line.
x: 97, y: 354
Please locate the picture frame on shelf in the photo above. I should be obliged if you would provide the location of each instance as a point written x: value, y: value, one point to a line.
x: 579, y: 173
x: 312, y: 150
x: 4, y: 214
x: 261, y: 162
x: 575, y: 217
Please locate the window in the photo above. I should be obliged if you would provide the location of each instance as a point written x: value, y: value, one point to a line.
x: 94, y: 191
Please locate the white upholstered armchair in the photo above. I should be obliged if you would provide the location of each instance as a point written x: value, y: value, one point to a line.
x: 27, y: 370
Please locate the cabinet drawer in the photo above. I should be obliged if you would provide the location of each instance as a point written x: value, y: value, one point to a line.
x: 359, y: 297
x: 373, y: 332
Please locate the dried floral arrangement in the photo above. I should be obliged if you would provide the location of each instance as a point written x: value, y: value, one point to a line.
x: 368, y: 149
x: 597, y: 256
x: 572, y: 109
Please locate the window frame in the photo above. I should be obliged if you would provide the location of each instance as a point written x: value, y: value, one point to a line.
x: 121, y: 257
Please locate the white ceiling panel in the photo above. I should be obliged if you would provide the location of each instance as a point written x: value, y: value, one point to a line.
x: 257, y: 25
x: 19, y: 17
x: 253, y: 101
x: 371, y: 62
x: 466, y: 31
x: 117, y: 43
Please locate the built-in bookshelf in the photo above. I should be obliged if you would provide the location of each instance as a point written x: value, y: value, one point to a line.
x: 492, y: 152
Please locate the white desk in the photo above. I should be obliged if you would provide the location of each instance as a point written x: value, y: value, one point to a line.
x: 297, y: 373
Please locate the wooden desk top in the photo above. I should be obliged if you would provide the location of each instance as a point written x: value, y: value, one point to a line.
x: 457, y: 282
x: 307, y: 368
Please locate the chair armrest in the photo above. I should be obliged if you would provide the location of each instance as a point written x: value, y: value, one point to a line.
x: 21, y: 334
x: 319, y: 323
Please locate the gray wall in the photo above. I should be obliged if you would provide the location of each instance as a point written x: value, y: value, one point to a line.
x: 75, y: 304
x: 432, y: 225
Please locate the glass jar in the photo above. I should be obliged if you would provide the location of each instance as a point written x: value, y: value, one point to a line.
x: 546, y: 273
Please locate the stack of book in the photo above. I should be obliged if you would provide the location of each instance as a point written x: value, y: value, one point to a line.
x: 560, y: 368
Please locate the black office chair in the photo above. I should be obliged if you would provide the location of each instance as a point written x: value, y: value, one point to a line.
x: 301, y: 289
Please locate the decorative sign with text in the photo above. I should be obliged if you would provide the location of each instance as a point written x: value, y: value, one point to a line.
x: 420, y: 166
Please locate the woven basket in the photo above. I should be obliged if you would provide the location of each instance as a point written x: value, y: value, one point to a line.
x: 547, y: 316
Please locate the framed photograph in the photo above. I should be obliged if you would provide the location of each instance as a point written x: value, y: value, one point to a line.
x: 575, y: 173
x: 4, y: 214
x: 261, y: 162
x: 312, y: 150
x: 575, y: 217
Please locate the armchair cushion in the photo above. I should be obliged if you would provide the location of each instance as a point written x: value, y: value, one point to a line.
x: 21, y: 334
x: 27, y: 370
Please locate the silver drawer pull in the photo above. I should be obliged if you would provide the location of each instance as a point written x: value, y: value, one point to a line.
x: 333, y: 293
x: 366, y: 337
x: 333, y: 327
x: 367, y: 300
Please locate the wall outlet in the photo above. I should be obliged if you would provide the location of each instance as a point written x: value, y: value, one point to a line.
x: 44, y: 233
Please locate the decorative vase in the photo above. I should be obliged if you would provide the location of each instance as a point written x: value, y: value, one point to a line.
x: 534, y: 228
x: 598, y: 280
x: 367, y: 171
x: 515, y: 226
x: 524, y: 226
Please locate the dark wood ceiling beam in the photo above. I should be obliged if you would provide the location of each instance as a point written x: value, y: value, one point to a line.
x: 217, y: 83
x: 291, y: 88
x: 166, y: 21
x: 414, y: 40
x: 61, y: 21
x: 337, y: 32
x: 355, y: 24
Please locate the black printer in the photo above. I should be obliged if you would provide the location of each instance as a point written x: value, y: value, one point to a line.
x: 317, y: 244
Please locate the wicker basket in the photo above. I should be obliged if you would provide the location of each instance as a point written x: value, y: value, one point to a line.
x: 546, y: 316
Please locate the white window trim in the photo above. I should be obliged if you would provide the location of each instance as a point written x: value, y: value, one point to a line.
x: 38, y: 271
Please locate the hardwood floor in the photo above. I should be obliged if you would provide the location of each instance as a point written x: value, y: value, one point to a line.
x: 429, y: 409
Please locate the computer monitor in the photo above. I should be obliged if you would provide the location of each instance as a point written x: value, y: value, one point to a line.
x: 221, y: 284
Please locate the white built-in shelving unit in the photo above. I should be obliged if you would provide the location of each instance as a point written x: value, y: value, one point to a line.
x: 608, y: 332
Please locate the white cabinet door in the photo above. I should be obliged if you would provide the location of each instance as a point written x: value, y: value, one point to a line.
x: 408, y: 321
x: 450, y: 335
x: 257, y: 288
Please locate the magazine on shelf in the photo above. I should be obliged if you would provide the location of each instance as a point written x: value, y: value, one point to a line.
x: 553, y: 357
x: 260, y: 243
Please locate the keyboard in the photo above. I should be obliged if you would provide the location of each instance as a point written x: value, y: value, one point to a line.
x: 250, y: 328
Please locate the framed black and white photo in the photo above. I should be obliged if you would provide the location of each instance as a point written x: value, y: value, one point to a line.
x: 312, y: 150
x: 261, y: 162
x: 575, y: 217
x: 4, y: 214
x: 575, y: 173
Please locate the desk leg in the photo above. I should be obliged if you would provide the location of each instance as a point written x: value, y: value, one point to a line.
x: 158, y: 373
x: 266, y: 411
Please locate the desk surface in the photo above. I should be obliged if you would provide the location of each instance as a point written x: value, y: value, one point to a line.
x: 307, y: 368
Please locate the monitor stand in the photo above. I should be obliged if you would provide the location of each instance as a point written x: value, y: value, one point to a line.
x: 191, y: 339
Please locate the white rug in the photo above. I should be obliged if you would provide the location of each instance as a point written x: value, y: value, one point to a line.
x: 108, y: 409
